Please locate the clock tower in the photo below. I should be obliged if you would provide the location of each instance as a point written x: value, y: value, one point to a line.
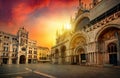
x: 22, y: 46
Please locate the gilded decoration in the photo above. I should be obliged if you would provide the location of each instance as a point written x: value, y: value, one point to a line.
x: 109, y: 34
x: 78, y: 41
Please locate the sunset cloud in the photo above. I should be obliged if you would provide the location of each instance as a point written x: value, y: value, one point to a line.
x: 40, y: 17
x: 14, y: 11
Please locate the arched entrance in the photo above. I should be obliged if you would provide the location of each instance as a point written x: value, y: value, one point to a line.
x: 77, y: 51
x: 63, y: 54
x: 112, y: 50
x: 56, y: 56
x: 108, y: 44
x: 22, y: 59
x: 80, y: 56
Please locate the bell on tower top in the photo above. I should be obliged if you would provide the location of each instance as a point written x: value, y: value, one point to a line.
x: 22, y: 30
x: 23, y: 27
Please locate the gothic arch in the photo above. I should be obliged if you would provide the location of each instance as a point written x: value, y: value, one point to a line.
x: 56, y: 54
x: 77, y: 49
x: 105, y: 28
x: 63, y: 49
x: 78, y: 37
x: 107, y: 42
x: 22, y: 59
x: 63, y: 54
x: 112, y: 47
x: 80, y: 49
x: 56, y: 50
x: 80, y: 18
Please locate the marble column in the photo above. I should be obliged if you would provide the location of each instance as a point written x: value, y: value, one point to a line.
x: 18, y: 60
x: 10, y: 61
x: 74, y: 59
x: 26, y: 62
x: 118, y: 47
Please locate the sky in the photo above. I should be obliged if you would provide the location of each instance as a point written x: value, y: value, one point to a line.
x: 41, y: 18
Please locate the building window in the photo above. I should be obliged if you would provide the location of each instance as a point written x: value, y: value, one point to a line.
x: 6, y: 37
x: 23, y: 49
x: 14, y: 49
x: 112, y: 47
x: 35, y: 48
x: 6, y: 44
x: 30, y: 48
x: 40, y: 58
x: 35, y: 52
x: 30, y: 51
x: 5, y: 49
x: 35, y: 56
x: 3, y: 54
x: 12, y: 38
x: 12, y: 55
x: 6, y: 55
x: 30, y: 56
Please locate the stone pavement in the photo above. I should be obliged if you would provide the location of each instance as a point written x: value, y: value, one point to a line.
x: 17, y: 71
x: 57, y: 71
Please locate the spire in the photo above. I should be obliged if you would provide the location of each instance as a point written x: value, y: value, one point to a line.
x: 63, y: 28
x: 80, y: 4
x: 90, y: 5
x: 57, y: 33
x: 95, y: 2
x: 85, y: 6
x: 71, y: 19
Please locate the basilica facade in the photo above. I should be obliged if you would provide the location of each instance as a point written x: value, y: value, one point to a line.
x: 17, y: 49
x: 94, y: 38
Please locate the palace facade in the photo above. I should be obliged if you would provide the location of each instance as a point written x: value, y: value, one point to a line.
x: 94, y: 38
x: 17, y: 49
x: 43, y: 54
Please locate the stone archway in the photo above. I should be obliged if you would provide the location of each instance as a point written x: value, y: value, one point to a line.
x: 112, y: 50
x: 63, y: 54
x: 82, y: 23
x: 107, y: 39
x: 80, y: 55
x: 22, y: 59
x: 56, y: 56
x: 77, y: 45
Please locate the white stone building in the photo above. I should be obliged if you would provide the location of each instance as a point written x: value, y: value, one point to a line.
x: 43, y: 54
x: 17, y: 49
x: 94, y: 38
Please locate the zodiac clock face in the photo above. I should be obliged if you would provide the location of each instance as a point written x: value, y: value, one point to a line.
x: 24, y: 35
x: 23, y: 39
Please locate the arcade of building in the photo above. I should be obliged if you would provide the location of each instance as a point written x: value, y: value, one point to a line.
x: 94, y: 38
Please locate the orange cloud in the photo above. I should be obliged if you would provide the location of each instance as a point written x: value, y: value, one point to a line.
x: 63, y: 4
x: 40, y: 17
x: 23, y: 9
